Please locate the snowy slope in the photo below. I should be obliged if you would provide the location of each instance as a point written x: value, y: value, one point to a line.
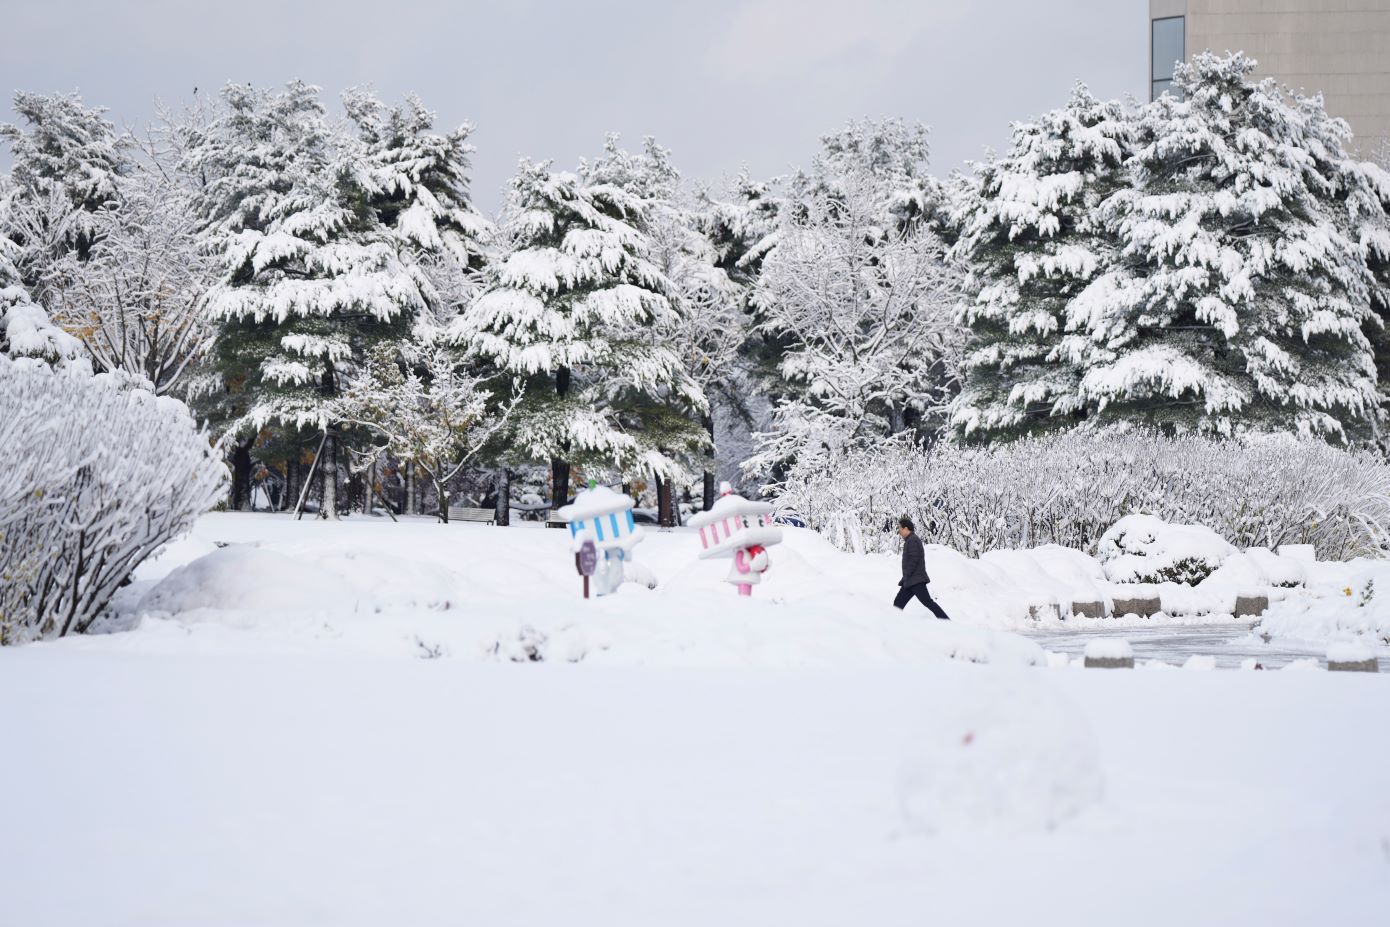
x: 478, y: 592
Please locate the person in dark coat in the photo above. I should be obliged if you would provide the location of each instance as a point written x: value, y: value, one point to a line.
x: 915, y: 579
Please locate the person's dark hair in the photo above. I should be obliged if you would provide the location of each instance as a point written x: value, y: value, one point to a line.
x: 906, y: 522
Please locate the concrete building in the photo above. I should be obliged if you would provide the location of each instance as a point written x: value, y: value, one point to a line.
x: 1339, y: 47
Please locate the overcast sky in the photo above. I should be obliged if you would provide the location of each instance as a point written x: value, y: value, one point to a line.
x: 723, y: 83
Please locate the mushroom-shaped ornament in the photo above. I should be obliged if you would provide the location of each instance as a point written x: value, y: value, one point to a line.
x: 741, y: 530
x: 603, y: 516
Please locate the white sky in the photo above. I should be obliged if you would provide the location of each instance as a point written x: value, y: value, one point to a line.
x: 723, y: 84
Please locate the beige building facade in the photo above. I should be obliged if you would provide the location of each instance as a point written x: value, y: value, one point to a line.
x: 1339, y: 47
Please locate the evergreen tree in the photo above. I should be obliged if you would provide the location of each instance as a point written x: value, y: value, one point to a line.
x: 417, y: 182
x: 1243, y: 293
x: 67, y: 163
x: 1226, y: 279
x: 1030, y: 235
x: 311, y: 279
x: 568, y: 307
x: 706, y: 327
x: 1371, y: 217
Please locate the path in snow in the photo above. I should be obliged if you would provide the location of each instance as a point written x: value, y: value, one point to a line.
x: 1229, y: 644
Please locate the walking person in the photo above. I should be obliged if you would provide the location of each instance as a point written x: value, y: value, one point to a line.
x: 915, y: 579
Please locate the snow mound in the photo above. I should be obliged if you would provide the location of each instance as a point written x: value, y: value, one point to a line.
x: 1351, y: 602
x: 1007, y: 755
x: 1200, y: 662
x: 1349, y: 652
x: 1285, y: 568
x: 1147, y: 549
x: 238, y: 580
x: 513, y: 596
x: 1240, y: 573
x: 1109, y: 648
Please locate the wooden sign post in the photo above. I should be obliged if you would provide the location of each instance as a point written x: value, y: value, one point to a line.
x: 586, y: 562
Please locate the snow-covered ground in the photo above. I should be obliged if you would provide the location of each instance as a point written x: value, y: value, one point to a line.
x: 267, y: 583
x: 372, y: 723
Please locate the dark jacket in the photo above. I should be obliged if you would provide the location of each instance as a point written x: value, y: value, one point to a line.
x: 914, y: 562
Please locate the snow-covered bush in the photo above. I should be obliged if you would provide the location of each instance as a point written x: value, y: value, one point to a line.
x: 98, y: 478
x: 1351, y: 602
x: 1147, y: 549
x: 1069, y: 488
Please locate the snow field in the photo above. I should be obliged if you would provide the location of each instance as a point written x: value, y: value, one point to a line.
x: 350, y: 790
x: 367, y: 723
x: 475, y: 592
x: 419, y: 588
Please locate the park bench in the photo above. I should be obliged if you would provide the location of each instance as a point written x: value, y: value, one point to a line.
x: 467, y: 513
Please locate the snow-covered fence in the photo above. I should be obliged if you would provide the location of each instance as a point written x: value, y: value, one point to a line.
x: 97, y: 478
x: 1069, y: 488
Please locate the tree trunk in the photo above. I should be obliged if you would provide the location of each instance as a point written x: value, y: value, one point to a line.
x: 328, y: 468
x: 241, y: 476
x: 441, y: 496
x: 665, y: 511
x: 502, y: 517
x: 897, y: 420
x: 560, y: 469
x: 291, y: 493
x: 369, y: 488
x: 354, y: 492
x: 709, y: 473
x: 559, y: 482
x: 412, y: 501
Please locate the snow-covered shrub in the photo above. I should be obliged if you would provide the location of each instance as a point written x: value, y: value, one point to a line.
x: 1069, y: 488
x: 98, y: 478
x: 1351, y: 603
x: 1147, y: 549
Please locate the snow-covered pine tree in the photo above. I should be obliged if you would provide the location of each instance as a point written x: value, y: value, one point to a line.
x: 1243, y: 293
x: 1369, y: 214
x: 568, y: 306
x: 311, y: 279
x: 741, y: 225
x: 1030, y: 236
x: 67, y: 161
x: 707, y: 326
x: 741, y: 222
x: 417, y: 181
x: 419, y: 187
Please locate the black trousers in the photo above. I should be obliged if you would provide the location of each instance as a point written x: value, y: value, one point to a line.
x: 906, y: 593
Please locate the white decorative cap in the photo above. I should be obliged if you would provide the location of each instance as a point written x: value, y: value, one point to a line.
x: 725, y: 488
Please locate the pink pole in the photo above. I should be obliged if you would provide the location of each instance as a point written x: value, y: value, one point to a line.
x: 745, y: 589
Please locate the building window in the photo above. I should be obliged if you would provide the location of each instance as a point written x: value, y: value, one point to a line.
x: 1166, y: 50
